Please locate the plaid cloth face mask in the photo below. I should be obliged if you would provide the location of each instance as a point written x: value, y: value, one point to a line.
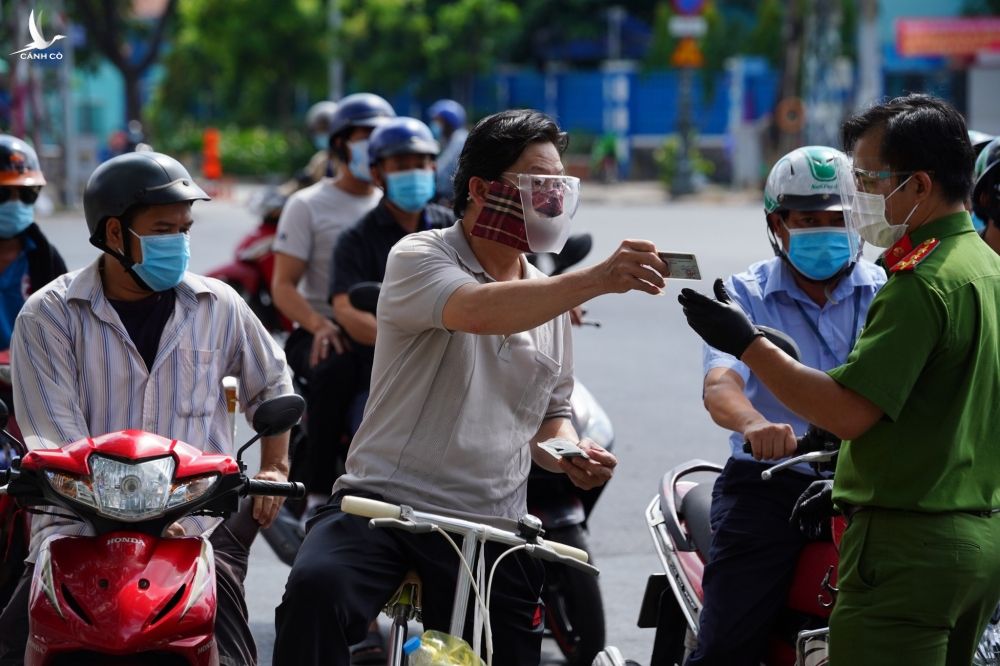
x: 502, y: 218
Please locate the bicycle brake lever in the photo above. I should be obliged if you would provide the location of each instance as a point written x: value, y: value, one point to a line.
x: 405, y: 525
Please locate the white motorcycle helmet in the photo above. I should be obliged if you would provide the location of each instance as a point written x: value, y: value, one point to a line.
x: 804, y: 179
x: 809, y: 179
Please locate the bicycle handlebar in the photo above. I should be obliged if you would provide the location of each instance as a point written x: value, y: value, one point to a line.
x: 384, y: 514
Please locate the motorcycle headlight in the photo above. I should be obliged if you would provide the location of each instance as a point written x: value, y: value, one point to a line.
x: 130, y: 492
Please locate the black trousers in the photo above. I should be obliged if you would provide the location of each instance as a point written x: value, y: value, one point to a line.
x: 231, y: 544
x: 345, y: 572
x: 330, y: 389
x: 751, y: 563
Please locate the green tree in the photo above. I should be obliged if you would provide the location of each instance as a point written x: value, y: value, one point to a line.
x: 116, y: 32
x: 382, y: 43
x: 470, y: 37
x: 243, y: 61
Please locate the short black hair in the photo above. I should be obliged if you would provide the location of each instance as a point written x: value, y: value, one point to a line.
x: 496, y: 142
x: 920, y: 133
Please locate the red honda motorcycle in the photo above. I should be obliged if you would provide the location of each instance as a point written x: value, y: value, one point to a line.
x: 129, y: 591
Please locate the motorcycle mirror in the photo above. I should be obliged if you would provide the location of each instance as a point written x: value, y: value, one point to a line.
x: 274, y: 417
x: 278, y: 415
x: 782, y: 341
x: 364, y: 296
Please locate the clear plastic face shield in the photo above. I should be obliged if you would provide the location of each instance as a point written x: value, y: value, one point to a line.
x: 864, y: 212
x: 549, y: 203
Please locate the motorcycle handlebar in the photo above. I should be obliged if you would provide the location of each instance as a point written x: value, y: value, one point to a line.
x: 294, y: 490
x: 815, y: 439
x: 391, y: 515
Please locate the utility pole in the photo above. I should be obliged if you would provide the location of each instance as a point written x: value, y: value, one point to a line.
x: 335, y: 71
x: 869, y: 56
x: 71, y: 152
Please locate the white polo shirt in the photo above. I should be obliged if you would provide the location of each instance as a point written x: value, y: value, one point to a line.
x: 308, y: 229
x: 450, y: 415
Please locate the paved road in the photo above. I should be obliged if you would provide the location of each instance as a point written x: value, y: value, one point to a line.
x: 643, y: 364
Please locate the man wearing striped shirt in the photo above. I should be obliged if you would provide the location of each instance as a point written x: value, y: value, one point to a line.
x: 135, y: 341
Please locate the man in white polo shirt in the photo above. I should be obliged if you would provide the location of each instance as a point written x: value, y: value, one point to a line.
x: 473, y: 368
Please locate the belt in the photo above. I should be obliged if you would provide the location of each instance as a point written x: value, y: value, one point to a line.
x: 850, y: 510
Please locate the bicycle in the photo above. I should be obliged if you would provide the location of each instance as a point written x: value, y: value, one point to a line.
x: 403, y: 606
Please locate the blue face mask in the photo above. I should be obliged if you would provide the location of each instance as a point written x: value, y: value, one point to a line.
x: 15, y: 217
x: 410, y: 190
x: 437, y: 131
x: 321, y: 141
x: 359, y: 160
x: 164, y: 259
x: 819, y: 253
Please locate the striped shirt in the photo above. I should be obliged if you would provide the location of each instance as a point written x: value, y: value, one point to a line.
x: 77, y: 373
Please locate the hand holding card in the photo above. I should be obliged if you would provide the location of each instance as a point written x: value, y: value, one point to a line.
x: 560, y: 447
x: 681, y: 265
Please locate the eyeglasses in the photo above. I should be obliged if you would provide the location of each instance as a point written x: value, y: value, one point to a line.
x: 867, y: 178
x: 28, y: 195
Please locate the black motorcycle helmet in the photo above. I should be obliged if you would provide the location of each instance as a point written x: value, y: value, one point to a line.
x: 127, y: 182
x: 134, y: 179
x: 19, y: 166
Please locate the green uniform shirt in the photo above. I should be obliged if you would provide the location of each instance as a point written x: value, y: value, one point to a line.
x: 929, y: 357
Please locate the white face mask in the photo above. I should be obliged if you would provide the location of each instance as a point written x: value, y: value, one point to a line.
x: 873, y: 226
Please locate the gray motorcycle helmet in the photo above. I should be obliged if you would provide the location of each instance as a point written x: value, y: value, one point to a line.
x: 134, y: 179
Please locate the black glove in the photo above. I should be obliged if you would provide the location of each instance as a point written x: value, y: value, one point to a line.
x: 721, y: 323
x: 813, y: 510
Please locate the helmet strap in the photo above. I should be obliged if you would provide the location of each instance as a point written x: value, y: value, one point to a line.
x: 124, y: 257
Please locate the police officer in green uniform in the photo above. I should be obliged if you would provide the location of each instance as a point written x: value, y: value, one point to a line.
x: 919, y: 472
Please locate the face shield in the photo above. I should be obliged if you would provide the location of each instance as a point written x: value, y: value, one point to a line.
x: 549, y: 203
x: 864, y: 212
x: 854, y: 220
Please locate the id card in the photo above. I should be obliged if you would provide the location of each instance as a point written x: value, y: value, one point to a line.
x: 560, y: 447
x: 681, y: 265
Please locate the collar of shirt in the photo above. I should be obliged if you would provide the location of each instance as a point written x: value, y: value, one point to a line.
x: 384, y: 218
x: 88, y: 287
x: 777, y: 276
x: 455, y: 236
x: 949, y: 225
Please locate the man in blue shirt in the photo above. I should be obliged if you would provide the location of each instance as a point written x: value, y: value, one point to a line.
x: 817, y: 290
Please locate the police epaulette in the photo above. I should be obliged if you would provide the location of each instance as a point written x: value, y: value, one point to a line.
x: 918, y: 254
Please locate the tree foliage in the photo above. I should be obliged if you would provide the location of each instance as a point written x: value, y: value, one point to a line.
x: 244, y: 61
x: 131, y: 44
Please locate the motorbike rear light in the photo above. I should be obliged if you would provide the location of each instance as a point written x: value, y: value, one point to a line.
x: 131, y: 491
x: 190, y: 490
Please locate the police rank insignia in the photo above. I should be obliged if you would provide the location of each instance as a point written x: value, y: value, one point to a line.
x: 918, y: 254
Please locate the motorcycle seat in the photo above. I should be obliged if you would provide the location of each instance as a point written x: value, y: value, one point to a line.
x: 695, y: 510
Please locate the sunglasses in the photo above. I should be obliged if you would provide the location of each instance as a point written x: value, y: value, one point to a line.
x: 28, y: 195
